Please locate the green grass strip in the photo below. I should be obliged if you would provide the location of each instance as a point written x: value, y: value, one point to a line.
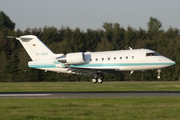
x: 90, y: 108
x: 88, y: 86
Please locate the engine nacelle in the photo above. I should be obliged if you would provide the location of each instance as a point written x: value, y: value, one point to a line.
x: 72, y: 58
x: 75, y: 58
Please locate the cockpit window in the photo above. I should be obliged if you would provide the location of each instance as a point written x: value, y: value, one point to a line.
x: 152, y: 54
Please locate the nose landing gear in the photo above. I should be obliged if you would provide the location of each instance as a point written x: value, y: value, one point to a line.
x: 159, y: 74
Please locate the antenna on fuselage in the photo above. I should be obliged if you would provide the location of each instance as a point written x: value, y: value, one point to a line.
x: 130, y: 48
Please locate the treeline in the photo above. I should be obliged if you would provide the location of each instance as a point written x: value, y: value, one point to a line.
x: 13, y: 57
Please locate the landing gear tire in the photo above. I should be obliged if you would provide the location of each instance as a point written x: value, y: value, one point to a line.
x: 100, y: 81
x: 94, y: 80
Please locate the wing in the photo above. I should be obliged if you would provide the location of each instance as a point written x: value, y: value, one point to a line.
x: 89, y: 72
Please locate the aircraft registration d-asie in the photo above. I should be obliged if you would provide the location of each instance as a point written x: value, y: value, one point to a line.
x: 92, y: 63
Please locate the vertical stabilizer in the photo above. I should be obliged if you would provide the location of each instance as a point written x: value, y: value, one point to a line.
x: 35, y: 48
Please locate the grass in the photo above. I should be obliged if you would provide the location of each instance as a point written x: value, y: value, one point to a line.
x: 88, y: 86
x: 89, y: 108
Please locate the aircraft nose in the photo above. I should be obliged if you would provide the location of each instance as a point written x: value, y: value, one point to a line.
x: 171, y: 62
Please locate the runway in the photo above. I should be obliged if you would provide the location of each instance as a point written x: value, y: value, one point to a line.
x: 94, y: 94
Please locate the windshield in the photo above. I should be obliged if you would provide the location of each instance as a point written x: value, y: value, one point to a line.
x: 152, y: 54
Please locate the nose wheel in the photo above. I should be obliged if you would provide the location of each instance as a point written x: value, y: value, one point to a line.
x: 159, y: 74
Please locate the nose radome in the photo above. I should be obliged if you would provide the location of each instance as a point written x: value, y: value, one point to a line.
x: 171, y: 62
x: 167, y: 61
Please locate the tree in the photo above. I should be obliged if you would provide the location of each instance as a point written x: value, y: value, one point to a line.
x: 154, y: 25
x: 108, y: 30
x: 92, y: 38
x: 5, y: 22
x: 172, y: 33
x: 130, y: 37
x: 118, y: 36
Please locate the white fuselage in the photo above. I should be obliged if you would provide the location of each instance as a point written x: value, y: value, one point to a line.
x: 121, y: 60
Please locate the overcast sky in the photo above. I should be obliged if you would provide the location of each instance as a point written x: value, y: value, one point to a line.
x: 86, y: 14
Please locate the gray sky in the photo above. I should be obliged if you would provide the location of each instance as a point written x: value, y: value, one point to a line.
x: 86, y: 14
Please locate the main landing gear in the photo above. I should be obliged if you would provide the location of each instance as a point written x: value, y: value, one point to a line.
x: 97, y: 79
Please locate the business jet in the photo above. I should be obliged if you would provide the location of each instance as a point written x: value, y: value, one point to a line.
x: 92, y: 63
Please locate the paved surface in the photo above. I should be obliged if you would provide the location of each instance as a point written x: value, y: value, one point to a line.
x: 104, y: 94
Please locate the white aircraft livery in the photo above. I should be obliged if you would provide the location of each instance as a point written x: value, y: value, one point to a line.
x: 92, y: 63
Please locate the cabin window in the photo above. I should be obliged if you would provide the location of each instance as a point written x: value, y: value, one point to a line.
x: 102, y: 59
x: 132, y: 57
x: 108, y: 58
x: 126, y: 57
x: 96, y: 59
x: 114, y: 58
x: 90, y: 59
x: 120, y: 58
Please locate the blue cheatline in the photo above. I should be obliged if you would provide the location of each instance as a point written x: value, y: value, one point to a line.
x: 97, y: 65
